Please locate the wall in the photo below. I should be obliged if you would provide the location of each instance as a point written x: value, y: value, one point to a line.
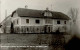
x: 15, y: 18
x: 61, y: 25
x: 22, y: 22
x: 31, y: 21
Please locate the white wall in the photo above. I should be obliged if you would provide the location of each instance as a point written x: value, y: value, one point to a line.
x: 31, y: 21
x: 22, y: 22
x: 56, y: 26
x: 15, y: 18
x: 42, y: 23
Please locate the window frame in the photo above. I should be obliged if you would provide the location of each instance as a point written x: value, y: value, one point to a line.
x: 37, y: 21
x: 17, y: 21
x: 58, y: 22
x: 65, y: 22
x: 27, y: 20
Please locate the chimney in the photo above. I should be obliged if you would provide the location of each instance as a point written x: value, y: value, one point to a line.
x: 47, y: 9
x: 26, y: 6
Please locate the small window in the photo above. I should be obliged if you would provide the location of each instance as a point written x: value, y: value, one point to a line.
x: 17, y: 21
x: 58, y: 22
x: 37, y: 21
x: 48, y: 21
x: 64, y: 22
x: 47, y: 14
x: 27, y: 20
x: 27, y: 29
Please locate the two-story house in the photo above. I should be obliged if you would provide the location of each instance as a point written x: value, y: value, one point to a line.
x: 37, y: 21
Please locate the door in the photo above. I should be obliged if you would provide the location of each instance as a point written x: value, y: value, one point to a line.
x: 47, y: 28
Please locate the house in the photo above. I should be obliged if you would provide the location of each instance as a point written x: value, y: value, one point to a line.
x: 5, y: 24
x: 37, y: 21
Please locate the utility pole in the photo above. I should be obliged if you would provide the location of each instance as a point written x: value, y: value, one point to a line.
x: 5, y: 13
x: 51, y: 7
x: 26, y: 6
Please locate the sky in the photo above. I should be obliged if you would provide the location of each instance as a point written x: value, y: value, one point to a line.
x: 8, y: 6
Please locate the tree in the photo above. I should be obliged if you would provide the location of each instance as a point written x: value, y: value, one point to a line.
x: 73, y: 44
x: 73, y: 13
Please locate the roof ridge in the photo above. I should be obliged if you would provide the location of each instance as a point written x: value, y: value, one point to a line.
x: 29, y: 9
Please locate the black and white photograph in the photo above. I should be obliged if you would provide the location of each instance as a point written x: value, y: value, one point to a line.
x: 39, y: 25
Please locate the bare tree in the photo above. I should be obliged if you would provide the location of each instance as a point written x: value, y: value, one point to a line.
x: 73, y: 13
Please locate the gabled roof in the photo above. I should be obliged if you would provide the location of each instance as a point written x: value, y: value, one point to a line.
x: 22, y: 12
x: 29, y: 12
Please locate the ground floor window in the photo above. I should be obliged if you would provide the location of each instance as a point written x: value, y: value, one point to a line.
x: 17, y: 30
x: 29, y: 29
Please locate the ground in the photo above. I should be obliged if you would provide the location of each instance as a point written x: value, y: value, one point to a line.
x: 28, y: 39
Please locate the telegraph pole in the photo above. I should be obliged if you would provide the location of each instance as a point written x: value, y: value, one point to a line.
x: 51, y: 7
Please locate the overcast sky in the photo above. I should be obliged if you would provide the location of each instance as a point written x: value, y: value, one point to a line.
x: 57, y: 5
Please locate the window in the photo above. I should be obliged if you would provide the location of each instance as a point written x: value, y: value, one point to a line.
x: 17, y: 21
x: 47, y: 14
x: 58, y: 22
x: 64, y: 22
x: 37, y: 21
x: 37, y: 29
x: 27, y: 20
x: 22, y: 29
x: 48, y: 21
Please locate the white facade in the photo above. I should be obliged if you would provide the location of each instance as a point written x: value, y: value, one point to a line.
x: 32, y: 25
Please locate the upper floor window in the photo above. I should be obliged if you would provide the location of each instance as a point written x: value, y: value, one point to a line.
x: 48, y: 21
x: 37, y: 21
x: 17, y: 21
x: 58, y: 22
x: 27, y: 20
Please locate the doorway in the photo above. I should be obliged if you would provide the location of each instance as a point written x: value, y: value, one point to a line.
x: 47, y: 28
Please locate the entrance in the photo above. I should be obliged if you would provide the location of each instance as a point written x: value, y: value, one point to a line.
x: 48, y: 28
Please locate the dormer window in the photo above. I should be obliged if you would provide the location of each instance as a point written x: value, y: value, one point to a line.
x: 27, y: 20
x: 47, y: 14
